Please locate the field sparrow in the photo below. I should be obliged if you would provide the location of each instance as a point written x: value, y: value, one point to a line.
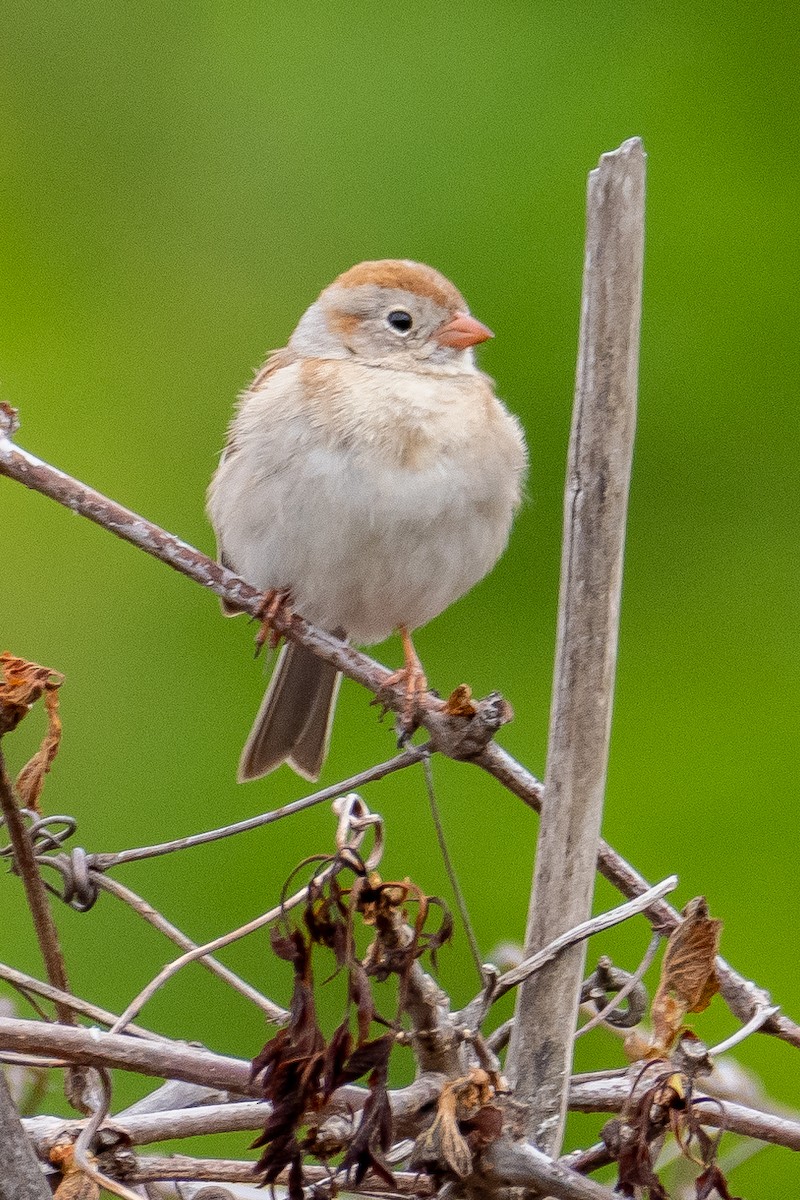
x: 371, y: 476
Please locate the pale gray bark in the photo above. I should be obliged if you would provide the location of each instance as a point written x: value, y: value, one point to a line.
x: 21, y: 1175
x: 595, y: 508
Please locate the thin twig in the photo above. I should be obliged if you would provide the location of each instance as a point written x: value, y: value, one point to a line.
x: 595, y: 508
x: 608, y: 1092
x: 273, y: 1012
x: 219, y: 1170
x: 406, y: 758
x: 535, y: 962
x: 514, y: 1165
x: 354, y: 822
x: 200, y: 952
x: 449, y: 866
x: 144, y: 1129
x: 93, y: 1047
x: 26, y: 983
x: 410, y: 1108
x: 25, y: 863
x: 458, y: 737
x: 76, y: 1080
x: 611, y: 1095
x: 752, y: 1026
x: 101, y: 1097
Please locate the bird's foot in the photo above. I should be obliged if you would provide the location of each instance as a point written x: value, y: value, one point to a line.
x: 276, y: 601
x: 415, y: 686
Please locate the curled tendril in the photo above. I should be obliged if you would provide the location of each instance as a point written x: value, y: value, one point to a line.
x: 607, y: 981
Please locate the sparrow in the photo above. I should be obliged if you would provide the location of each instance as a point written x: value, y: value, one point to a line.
x: 370, y: 478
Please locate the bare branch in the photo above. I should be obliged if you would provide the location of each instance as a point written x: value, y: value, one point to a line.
x: 511, y: 1165
x: 518, y: 1164
x: 458, y: 737
x: 142, y: 1128
x: 181, y: 1167
x: 609, y: 1095
x: 744, y: 998
x: 454, y: 737
x: 26, y: 983
x: 25, y: 864
x: 92, y: 1047
x: 605, y: 1094
x: 595, y: 509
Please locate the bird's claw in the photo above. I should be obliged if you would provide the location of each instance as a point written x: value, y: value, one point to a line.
x: 415, y: 685
x: 275, y: 601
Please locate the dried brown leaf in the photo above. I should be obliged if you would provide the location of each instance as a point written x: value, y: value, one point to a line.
x: 23, y: 684
x: 30, y: 780
x: 361, y: 995
x: 443, y: 1147
x: 373, y: 1137
x: 460, y: 703
x: 75, y: 1183
x: 712, y: 1180
x: 483, y: 1128
x: 465, y: 1123
x: 291, y: 1066
x: 688, y: 975
x: 337, y: 1053
x: 371, y: 1056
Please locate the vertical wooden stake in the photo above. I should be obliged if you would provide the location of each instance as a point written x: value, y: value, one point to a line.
x: 595, y: 508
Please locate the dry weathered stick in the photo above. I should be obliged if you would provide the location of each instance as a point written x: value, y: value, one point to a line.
x: 742, y: 996
x: 21, y: 1177
x: 519, y: 1166
x: 167, y: 1060
x: 181, y: 1167
x: 610, y: 1095
x: 555, y: 949
x: 595, y: 507
x: 410, y: 1111
x: 25, y: 864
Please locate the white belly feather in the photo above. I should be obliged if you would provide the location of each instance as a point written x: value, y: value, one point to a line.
x: 364, y: 540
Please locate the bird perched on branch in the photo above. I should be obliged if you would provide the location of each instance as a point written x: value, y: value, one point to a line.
x: 370, y: 478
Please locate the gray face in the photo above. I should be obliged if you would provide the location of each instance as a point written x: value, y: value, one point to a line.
x: 387, y: 327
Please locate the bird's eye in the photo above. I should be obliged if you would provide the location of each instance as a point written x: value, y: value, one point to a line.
x: 399, y: 320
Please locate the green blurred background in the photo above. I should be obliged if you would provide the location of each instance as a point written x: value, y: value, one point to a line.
x: 180, y: 180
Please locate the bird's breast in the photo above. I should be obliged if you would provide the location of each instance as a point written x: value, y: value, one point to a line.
x: 406, y: 420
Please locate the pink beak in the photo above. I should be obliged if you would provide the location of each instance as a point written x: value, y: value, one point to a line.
x: 462, y: 331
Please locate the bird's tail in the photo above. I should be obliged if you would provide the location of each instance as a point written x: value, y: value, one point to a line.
x: 294, y: 722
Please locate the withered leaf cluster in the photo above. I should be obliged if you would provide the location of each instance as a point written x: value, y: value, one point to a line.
x: 668, y: 1104
x: 299, y: 1068
x: 466, y: 1123
x: 688, y: 980
x: 687, y: 984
